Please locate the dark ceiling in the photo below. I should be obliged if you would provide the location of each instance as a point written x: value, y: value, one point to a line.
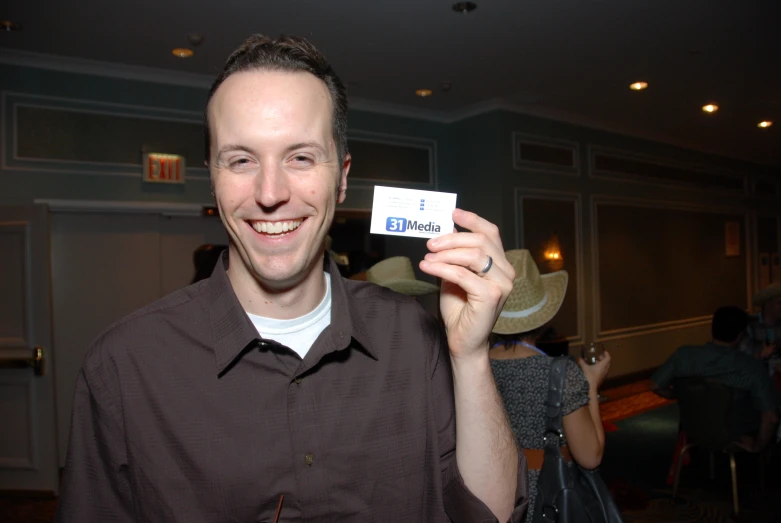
x: 570, y: 60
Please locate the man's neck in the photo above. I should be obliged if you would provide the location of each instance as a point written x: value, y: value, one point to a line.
x: 282, y: 304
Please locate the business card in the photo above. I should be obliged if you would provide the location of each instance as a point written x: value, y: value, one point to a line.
x: 411, y: 212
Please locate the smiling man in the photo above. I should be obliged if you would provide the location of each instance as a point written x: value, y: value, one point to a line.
x: 276, y: 387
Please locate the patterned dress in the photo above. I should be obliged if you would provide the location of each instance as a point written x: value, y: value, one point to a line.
x: 523, y: 385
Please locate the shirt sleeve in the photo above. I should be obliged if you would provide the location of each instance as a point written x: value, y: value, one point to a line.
x: 95, y: 484
x: 575, y: 390
x: 461, y: 505
x: 665, y: 374
x: 763, y: 391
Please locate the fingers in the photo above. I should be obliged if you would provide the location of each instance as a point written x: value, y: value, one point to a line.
x: 493, y: 290
x: 472, y: 258
x: 473, y: 222
x: 483, y: 241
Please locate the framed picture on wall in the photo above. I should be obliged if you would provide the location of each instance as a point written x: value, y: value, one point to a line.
x: 732, y: 239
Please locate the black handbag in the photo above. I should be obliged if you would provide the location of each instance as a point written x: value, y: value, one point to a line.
x: 568, y: 493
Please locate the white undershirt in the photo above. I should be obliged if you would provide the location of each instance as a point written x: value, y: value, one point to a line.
x: 299, y: 333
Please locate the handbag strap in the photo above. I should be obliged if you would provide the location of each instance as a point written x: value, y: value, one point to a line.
x: 553, y: 405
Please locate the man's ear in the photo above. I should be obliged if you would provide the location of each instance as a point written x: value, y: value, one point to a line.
x: 342, y: 192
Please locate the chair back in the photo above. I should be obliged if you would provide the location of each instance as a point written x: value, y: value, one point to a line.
x: 706, y: 411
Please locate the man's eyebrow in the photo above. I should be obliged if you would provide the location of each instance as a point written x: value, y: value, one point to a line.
x: 303, y: 145
x: 234, y: 147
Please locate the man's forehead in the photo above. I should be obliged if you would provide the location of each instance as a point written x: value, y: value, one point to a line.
x: 293, y: 100
x: 263, y: 84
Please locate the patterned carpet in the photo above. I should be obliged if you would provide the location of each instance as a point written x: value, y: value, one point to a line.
x: 623, y: 408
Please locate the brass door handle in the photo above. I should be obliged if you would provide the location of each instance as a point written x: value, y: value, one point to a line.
x: 35, y: 362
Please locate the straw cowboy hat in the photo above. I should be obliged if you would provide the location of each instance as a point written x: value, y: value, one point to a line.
x: 767, y: 294
x: 534, y: 300
x: 396, y: 273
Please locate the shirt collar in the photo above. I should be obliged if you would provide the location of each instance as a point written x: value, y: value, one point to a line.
x: 233, y: 332
x: 347, y: 322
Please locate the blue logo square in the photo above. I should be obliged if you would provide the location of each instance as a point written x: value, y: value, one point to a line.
x: 396, y: 224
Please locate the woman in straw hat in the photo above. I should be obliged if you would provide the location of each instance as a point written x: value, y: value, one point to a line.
x: 521, y: 372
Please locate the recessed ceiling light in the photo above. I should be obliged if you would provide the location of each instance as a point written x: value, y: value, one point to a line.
x: 8, y: 25
x: 182, y: 52
x: 710, y: 108
x: 638, y: 86
x: 423, y: 93
x: 764, y: 124
x: 464, y: 7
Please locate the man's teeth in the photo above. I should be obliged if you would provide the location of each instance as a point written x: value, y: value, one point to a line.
x: 276, y: 227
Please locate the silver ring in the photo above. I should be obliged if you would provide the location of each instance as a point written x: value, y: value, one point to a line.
x: 487, y: 267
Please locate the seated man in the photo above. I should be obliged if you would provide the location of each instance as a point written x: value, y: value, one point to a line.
x: 755, y: 415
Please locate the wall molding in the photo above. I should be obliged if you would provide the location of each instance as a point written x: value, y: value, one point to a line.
x: 526, y: 165
x: 653, y: 328
x: 10, y: 160
x: 640, y: 330
x: 566, y: 196
x: 10, y: 101
x: 594, y: 173
x: 755, y: 217
x: 32, y: 460
x: 427, y: 144
x: 120, y: 207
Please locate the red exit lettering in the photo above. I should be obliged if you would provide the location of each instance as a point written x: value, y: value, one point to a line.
x: 164, y: 168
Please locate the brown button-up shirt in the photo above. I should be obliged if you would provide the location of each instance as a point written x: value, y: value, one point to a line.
x: 183, y: 413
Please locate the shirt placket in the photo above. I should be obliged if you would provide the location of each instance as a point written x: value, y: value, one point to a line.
x: 307, y: 450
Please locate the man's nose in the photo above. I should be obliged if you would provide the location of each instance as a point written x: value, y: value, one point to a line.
x: 272, y: 185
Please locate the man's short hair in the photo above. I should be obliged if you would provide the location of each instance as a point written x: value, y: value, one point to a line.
x: 728, y: 324
x: 291, y: 54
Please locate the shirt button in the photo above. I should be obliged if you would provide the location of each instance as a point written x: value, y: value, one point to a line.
x: 309, y: 459
x: 298, y: 380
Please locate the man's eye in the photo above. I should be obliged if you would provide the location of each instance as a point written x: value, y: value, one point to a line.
x: 240, y: 163
x: 302, y: 159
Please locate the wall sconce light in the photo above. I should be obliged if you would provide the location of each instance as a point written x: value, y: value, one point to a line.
x: 553, y: 250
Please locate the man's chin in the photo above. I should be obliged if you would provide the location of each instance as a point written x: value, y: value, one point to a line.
x: 281, y: 276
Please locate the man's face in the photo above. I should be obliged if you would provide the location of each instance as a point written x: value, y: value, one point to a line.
x: 275, y: 173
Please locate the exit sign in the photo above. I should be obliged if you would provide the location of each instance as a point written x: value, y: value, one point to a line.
x: 163, y: 168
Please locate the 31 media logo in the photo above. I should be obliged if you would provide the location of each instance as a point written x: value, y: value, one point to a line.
x: 396, y: 224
